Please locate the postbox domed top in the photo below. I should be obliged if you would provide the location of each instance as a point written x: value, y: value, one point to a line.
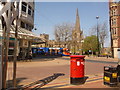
x: 80, y: 56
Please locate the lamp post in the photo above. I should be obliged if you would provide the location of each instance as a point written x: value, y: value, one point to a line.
x: 97, y: 17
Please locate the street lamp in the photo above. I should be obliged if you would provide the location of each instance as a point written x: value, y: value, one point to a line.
x: 97, y: 17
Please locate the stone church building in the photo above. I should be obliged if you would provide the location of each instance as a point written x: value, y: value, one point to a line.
x: 77, y: 37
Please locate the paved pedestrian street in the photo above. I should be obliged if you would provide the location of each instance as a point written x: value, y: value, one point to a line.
x: 55, y: 73
x: 64, y: 84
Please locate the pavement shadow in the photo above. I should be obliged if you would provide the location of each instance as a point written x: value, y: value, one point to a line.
x: 10, y: 83
x: 38, y: 84
x: 85, y: 79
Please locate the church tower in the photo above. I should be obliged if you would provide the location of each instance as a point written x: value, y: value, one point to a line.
x: 77, y: 36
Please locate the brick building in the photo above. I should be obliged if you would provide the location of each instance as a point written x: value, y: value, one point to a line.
x: 114, y: 15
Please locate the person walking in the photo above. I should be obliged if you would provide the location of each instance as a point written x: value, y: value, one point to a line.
x: 30, y: 55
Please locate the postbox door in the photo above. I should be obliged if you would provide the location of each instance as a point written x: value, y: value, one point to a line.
x: 77, y: 68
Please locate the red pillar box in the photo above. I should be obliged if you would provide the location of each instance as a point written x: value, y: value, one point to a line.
x: 77, y: 69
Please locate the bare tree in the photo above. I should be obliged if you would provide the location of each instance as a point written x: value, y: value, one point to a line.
x: 103, y: 32
x: 63, y: 33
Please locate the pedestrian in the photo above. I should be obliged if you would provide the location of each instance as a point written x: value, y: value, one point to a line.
x: 30, y: 55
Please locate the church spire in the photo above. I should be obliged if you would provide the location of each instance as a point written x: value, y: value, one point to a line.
x: 77, y: 36
x: 77, y: 24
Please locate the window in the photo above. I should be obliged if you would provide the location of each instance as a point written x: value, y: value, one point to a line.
x: 22, y: 24
x: 24, y: 6
x: 115, y: 30
x: 26, y: 26
x: 111, y: 13
x: 114, y: 21
x: 111, y: 22
x: 114, y: 12
x: 29, y: 10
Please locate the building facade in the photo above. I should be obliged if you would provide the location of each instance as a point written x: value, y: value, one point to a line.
x: 45, y: 38
x: 47, y: 42
x: 25, y: 24
x: 77, y: 36
x: 114, y: 14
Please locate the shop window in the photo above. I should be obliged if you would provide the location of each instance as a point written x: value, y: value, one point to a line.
x: 29, y: 10
x: 24, y: 6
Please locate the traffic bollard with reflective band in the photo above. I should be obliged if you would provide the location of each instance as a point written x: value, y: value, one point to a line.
x: 77, y: 69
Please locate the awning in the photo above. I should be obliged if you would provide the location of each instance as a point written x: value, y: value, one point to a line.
x: 25, y: 34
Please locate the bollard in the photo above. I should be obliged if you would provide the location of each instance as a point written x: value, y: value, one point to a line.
x: 77, y: 69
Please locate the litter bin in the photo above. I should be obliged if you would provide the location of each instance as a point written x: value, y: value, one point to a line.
x: 77, y: 69
x: 118, y: 70
x: 118, y: 66
x: 110, y: 76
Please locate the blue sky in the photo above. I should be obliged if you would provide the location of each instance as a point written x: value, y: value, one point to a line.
x: 49, y: 14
